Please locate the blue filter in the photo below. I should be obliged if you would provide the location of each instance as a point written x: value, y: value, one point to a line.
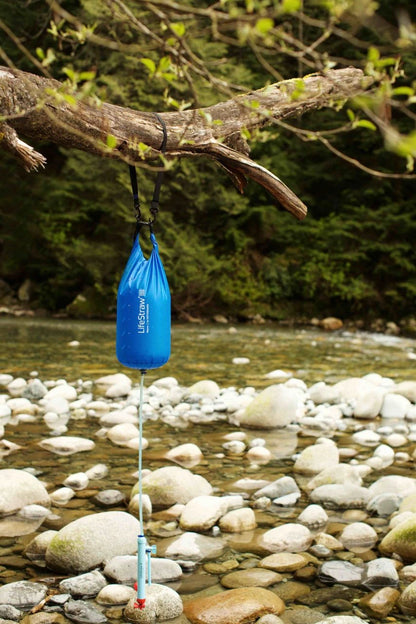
x: 143, y: 311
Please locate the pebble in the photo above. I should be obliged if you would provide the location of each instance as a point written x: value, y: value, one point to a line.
x: 287, y: 538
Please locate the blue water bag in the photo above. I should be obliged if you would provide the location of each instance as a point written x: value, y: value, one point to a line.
x: 143, y: 311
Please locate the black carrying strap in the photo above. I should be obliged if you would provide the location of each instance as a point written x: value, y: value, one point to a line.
x: 154, y: 204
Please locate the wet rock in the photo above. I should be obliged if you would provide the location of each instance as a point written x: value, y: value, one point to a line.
x: 123, y: 433
x: 394, y: 406
x: 384, y: 504
x: 366, y: 437
x: 123, y: 569
x: 202, y: 512
x: 194, y: 547
x: 83, y: 612
x: 36, y: 549
x: 366, y: 397
x: 19, y: 488
x: 276, y: 406
x: 314, y: 459
x: 341, y: 496
x: 22, y: 594
x: 313, y: 516
x: 407, y: 601
x: 385, y: 453
x: 401, y: 540
x: 162, y: 603
x: 291, y: 591
x: 99, y: 471
x: 85, y: 585
x: 280, y: 487
x: 109, y: 498
x: 63, y: 391
x: 342, y: 572
x: 380, y: 573
x: 7, y: 612
x: 62, y: 496
x: 171, y: 484
x: 34, y: 390
x: 283, y: 562
x: 380, y: 603
x: 112, y: 595
x: 302, y: 615
x: 77, y: 481
x: 185, y: 454
x: 287, y: 538
x: 42, y: 618
x: 259, y: 455
x: 238, y: 520
x: 206, y: 388
x: 408, y: 573
x: 235, y: 606
x: 85, y: 543
x: 254, y: 577
x: 343, y: 619
x: 406, y: 389
x: 67, y: 445
x: 17, y: 386
x: 134, y: 506
x: 322, y: 393
x: 341, y: 473
x: 358, y: 537
x: 21, y: 406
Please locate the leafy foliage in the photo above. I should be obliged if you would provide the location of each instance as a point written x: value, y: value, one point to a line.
x: 69, y: 228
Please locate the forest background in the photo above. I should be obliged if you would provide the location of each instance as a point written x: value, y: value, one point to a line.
x: 68, y: 228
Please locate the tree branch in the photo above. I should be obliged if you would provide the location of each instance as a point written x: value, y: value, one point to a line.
x: 42, y: 108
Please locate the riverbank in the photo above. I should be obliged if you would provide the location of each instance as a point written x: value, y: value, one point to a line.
x: 296, y: 500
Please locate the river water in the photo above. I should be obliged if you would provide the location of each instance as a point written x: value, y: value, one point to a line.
x: 198, y: 352
x: 205, y: 352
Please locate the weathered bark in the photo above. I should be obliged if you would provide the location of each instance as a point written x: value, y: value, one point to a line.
x: 36, y: 107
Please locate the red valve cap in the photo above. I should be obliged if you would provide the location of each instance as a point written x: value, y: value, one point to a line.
x: 140, y: 603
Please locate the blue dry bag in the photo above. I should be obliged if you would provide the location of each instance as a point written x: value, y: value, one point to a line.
x: 143, y: 311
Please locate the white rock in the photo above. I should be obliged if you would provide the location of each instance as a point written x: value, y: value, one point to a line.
x: 34, y: 512
x: 407, y: 389
x: 117, y: 390
x: 313, y: 516
x: 121, y: 434
x: 259, y: 455
x: 16, y: 387
x: 134, y: 505
x: 234, y: 447
x: 88, y: 541
x: 36, y: 549
x: 341, y: 495
x: 275, y: 406
x: 358, y: 537
x: 394, y: 484
x: 313, y: 459
x: 195, y: 547
x: 238, y: 520
x: 385, y: 453
x: 202, y: 512
x: 396, y: 439
x: 77, y: 481
x: 118, y: 417
x: 241, y: 360
x: 322, y: 393
x: 287, y: 538
x: 206, y: 388
x: 366, y: 437
x: 99, y: 471
x: 116, y: 594
x: 56, y: 404
x: 172, y: 484
x: 342, y: 473
x: 111, y: 380
x: 21, y: 406
x: 185, y: 453
x: 62, y: 495
x: 394, y: 406
x: 162, y: 603
x: 67, y: 445
x: 18, y: 488
x: 367, y: 397
x: 277, y: 374
x: 63, y: 391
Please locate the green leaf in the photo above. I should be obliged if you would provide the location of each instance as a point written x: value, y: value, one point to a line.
x: 88, y: 75
x: 164, y: 64
x: 111, y: 141
x: 151, y: 66
x: 178, y: 28
x: 291, y: 6
x: 373, y: 54
x: 365, y: 123
x: 403, y: 91
x: 351, y: 114
x: 40, y: 53
x: 263, y: 25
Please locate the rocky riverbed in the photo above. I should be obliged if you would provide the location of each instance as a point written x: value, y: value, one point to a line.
x: 288, y: 504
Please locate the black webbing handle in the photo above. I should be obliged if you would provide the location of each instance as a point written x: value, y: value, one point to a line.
x: 154, y: 204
